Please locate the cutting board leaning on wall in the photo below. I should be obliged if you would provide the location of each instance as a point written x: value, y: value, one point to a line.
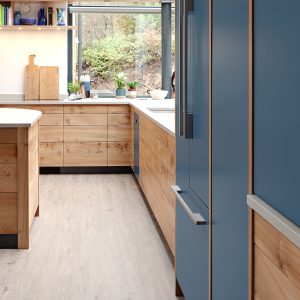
x: 41, y: 83
x: 31, y: 80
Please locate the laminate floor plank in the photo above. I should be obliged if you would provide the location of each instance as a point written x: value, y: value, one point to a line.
x: 94, y: 239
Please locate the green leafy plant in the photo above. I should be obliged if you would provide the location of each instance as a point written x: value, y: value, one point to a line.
x: 74, y: 87
x: 133, y: 85
x: 120, y: 80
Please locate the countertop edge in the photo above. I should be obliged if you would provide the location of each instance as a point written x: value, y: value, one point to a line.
x: 286, y: 227
x: 36, y: 115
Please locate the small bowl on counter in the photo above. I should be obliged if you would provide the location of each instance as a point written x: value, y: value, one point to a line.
x: 158, y: 94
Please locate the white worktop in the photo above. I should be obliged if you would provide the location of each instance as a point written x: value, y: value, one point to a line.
x: 15, y: 117
x: 165, y: 120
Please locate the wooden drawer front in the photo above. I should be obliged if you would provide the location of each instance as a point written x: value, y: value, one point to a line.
x: 8, y: 153
x: 8, y: 213
x: 118, y: 109
x: 85, y: 109
x: 8, y: 178
x: 85, y: 154
x: 121, y: 133
x: 51, y: 154
x: 45, y: 109
x: 119, y: 119
x: 85, y: 119
x: 119, y: 154
x: 8, y: 135
x: 51, y: 119
x: 276, y: 263
x: 52, y: 134
x: 85, y: 133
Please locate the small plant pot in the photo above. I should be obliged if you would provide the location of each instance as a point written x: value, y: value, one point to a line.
x: 120, y: 93
x: 131, y: 93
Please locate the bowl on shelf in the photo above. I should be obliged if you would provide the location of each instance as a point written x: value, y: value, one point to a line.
x: 158, y: 94
x: 26, y: 21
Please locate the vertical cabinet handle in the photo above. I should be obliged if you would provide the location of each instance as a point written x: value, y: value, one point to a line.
x: 195, y: 217
x: 185, y: 117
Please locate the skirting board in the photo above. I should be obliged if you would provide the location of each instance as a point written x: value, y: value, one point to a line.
x: 86, y: 170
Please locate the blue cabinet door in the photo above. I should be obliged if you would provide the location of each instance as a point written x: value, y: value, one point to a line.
x: 230, y: 150
x: 198, y: 97
x: 277, y: 105
x: 192, y: 250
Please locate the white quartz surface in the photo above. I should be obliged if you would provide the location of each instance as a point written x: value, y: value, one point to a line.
x: 165, y: 120
x: 15, y: 117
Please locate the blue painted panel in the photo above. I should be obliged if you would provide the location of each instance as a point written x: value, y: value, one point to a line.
x: 136, y: 168
x: 192, y: 250
x: 230, y: 150
x: 277, y: 105
x: 198, y: 93
x: 182, y: 144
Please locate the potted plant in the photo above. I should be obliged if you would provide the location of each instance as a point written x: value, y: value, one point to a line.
x: 74, y: 88
x: 132, y: 89
x: 120, y: 80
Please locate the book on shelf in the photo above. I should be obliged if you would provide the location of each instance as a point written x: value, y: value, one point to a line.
x: 5, y: 13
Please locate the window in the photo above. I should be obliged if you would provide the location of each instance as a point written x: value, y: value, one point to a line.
x: 121, y: 42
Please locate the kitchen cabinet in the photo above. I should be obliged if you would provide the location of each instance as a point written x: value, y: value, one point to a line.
x: 192, y: 146
x: 157, y: 173
x: 212, y: 149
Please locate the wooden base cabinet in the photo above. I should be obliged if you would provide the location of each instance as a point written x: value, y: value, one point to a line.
x: 19, y: 182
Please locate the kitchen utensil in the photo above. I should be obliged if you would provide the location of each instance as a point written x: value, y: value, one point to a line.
x: 158, y: 94
x: 31, y: 80
x: 49, y: 83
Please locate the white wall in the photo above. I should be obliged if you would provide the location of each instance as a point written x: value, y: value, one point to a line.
x: 50, y: 49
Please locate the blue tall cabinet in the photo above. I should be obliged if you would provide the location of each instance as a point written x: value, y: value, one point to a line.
x: 212, y: 148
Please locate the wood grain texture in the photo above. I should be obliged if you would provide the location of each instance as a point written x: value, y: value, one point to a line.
x: 269, y: 282
x: 23, y: 189
x: 8, y: 135
x: 49, y: 83
x: 279, y: 250
x: 157, y: 174
x: 8, y: 213
x: 102, y: 240
x: 118, y: 109
x: 85, y: 119
x: 85, y: 154
x: 51, y: 119
x: 8, y: 153
x: 31, y: 80
x: 85, y: 134
x: 119, y: 133
x: 51, y: 154
x: 119, y: 119
x: 51, y: 134
x: 119, y: 153
x: 8, y: 178
x: 85, y: 109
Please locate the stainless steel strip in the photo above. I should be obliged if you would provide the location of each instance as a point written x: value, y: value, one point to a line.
x: 195, y: 217
x: 276, y: 219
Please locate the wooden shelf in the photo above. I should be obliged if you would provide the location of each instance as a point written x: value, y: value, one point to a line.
x: 36, y: 27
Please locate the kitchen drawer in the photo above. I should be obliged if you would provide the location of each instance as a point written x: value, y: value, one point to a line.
x: 119, y: 119
x: 51, y: 134
x: 119, y: 153
x: 8, y: 153
x: 45, y: 109
x: 8, y: 178
x: 191, y: 248
x: 51, y: 154
x: 85, y: 119
x: 85, y: 154
x: 9, y: 213
x: 51, y: 120
x: 85, y: 109
x: 8, y: 135
x: 119, y: 133
x: 85, y: 133
x: 118, y: 109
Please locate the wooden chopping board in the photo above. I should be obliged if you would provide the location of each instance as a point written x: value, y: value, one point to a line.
x: 31, y: 80
x: 49, y: 83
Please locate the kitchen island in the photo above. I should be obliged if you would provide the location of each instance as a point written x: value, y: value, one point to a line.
x: 19, y: 175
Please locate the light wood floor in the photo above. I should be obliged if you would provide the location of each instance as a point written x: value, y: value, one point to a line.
x: 94, y: 239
